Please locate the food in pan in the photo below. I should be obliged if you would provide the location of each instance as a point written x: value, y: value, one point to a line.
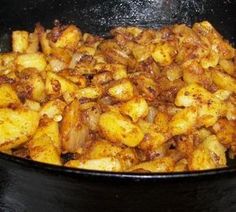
x: 142, y: 100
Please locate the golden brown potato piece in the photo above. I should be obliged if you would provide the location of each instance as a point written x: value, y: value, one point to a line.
x: 68, y: 38
x: 31, y: 60
x: 8, y: 96
x: 43, y: 150
x: 16, y: 127
x: 49, y: 128
x: 122, y: 90
x: 165, y: 164
x: 20, y: 40
x: 101, y: 164
x: 135, y: 108
x: 117, y: 128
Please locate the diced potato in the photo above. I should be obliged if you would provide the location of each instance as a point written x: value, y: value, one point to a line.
x: 7, y: 62
x: 69, y: 38
x: 102, y: 148
x: 20, y: 41
x: 142, y: 52
x: 16, y: 127
x: 50, y: 129
x: 42, y: 150
x: 31, y: 85
x: 119, y: 74
x: 136, y: 108
x: 201, y: 160
x: 57, y: 85
x: 122, y: 91
x: 217, y: 150
x: 53, y: 109
x: 64, y: 55
x: 192, y: 94
x: 45, y: 44
x: 211, y: 60
x: 183, y: 121
x: 165, y: 164
x: 8, y: 96
x: 101, y: 164
x: 92, y: 92
x: 164, y: 54
x: 33, y: 45
x: 34, y: 60
x: 173, y: 73
x: 32, y: 105
x: 127, y: 158
x: 222, y: 94
x: 224, y: 81
x: 225, y: 131
x: 228, y: 66
x: 117, y: 128
x: 209, y: 155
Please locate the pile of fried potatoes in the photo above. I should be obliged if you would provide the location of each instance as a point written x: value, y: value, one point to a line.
x: 143, y: 100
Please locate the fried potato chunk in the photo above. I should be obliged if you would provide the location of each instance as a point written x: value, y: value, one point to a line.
x: 16, y: 127
x: 8, y: 96
x: 117, y: 128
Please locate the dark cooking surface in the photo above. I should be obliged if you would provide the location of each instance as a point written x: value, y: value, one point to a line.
x: 28, y: 186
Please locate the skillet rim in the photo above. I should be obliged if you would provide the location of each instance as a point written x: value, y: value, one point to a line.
x: 54, y: 169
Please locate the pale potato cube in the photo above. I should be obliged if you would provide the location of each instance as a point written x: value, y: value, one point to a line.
x: 224, y: 81
x: 217, y: 150
x: 122, y: 91
x: 211, y: 60
x: 183, y: 121
x: 100, y: 149
x: 32, y: 105
x: 120, y: 73
x: 57, y: 85
x: 92, y: 92
x: 117, y: 128
x: 7, y: 62
x: 101, y: 164
x: 41, y: 149
x: 173, y: 73
x: 222, y: 94
x: 136, y: 108
x: 20, y: 41
x: 164, y: 54
x: 165, y: 164
x: 8, y: 96
x: 50, y: 129
x: 34, y: 60
x: 16, y: 127
x: 33, y: 45
x: 228, y: 66
x: 69, y: 38
x: 45, y: 44
x: 201, y: 159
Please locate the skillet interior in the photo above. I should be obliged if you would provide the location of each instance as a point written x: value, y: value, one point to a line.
x: 98, y: 17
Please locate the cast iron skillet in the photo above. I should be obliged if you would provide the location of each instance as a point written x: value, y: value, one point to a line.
x: 31, y: 186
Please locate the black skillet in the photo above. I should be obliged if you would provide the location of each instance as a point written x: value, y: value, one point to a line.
x: 30, y: 186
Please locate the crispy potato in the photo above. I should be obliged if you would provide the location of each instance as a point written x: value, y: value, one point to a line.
x: 165, y: 164
x: 101, y: 164
x: 69, y: 38
x: 53, y: 109
x: 16, y: 127
x: 33, y: 44
x: 183, y: 121
x: 51, y: 129
x: 135, y: 108
x: 164, y: 54
x: 42, y: 150
x: 224, y: 81
x: 20, y: 41
x: 122, y: 90
x: 8, y: 96
x: 89, y: 92
x: 58, y: 86
x: 33, y: 60
x: 117, y: 128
